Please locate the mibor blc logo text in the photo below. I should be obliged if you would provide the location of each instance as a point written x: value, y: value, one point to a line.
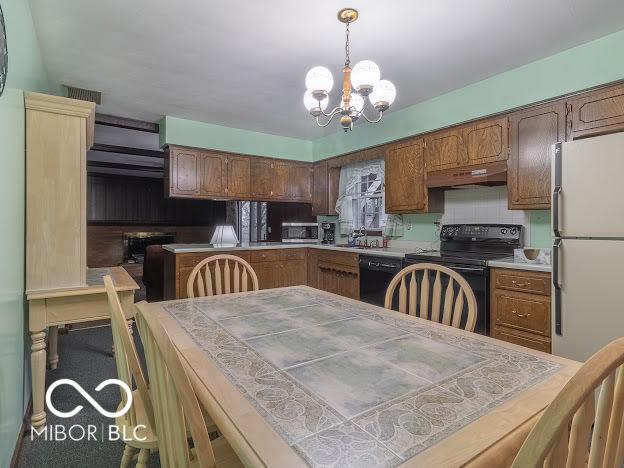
x: 79, y: 432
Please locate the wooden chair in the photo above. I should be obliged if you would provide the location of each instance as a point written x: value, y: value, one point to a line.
x: 176, y: 407
x: 129, y: 371
x: 578, y: 430
x: 453, y: 305
x: 226, y: 280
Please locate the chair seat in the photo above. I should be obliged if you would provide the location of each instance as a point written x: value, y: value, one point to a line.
x: 225, y: 457
x: 149, y: 440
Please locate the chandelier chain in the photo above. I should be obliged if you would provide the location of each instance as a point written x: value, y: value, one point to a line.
x: 347, y: 51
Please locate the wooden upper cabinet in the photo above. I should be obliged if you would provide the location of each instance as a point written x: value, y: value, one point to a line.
x: 486, y: 142
x: 213, y: 180
x: 532, y: 133
x: 320, y: 189
x: 238, y: 177
x: 261, y: 178
x: 596, y: 113
x: 445, y: 150
x: 184, y: 172
x: 280, y: 180
x: 405, y: 178
x: 300, y: 182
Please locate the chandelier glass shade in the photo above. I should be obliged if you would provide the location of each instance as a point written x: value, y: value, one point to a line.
x: 360, y: 82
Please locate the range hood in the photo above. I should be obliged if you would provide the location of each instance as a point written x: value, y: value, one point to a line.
x: 485, y: 174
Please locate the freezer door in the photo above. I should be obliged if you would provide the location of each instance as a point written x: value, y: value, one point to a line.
x: 591, y: 277
x: 590, y: 176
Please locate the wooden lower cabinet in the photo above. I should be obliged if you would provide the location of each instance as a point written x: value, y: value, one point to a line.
x: 520, y: 308
x: 312, y: 278
x: 339, y: 273
x: 280, y: 267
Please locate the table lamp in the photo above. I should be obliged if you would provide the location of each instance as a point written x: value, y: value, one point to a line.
x: 224, y: 235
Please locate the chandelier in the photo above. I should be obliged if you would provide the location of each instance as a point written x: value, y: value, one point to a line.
x: 358, y: 83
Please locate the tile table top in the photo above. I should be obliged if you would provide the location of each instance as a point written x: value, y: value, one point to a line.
x: 349, y: 384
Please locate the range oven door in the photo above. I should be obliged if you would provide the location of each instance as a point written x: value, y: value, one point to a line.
x: 478, y: 279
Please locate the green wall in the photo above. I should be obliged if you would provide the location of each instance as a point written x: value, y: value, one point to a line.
x: 175, y: 131
x: 591, y: 64
x: 26, y: 72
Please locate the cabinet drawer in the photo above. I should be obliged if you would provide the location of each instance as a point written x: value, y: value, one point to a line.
x: 190, y: 260
x: 522, y: 339
x: 293, y: 254
x: 342, y: 258
x: 523, y: 312
x: 514, y: 280
x: 265, y: 256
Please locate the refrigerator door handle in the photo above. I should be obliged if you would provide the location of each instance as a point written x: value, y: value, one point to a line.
x: 556, y: 286
x: 556, y: 190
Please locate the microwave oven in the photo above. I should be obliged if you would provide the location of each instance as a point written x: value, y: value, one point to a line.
x: 300, y: 232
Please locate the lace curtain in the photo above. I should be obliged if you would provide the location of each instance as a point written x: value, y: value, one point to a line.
x: 350, y: 180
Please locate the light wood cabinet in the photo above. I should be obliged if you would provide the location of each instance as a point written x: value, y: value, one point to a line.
x: 406, y: 191
x: 59, y: 131
x: 280, y: 267
x: 532, y: 133
x: 520, y: 307
x: 300, y: 182
x: 320, y: 189
x: 467, y: 145
x: 280, y: 180
x: 261, y: 180
x: 596, y: 113
x: 312, y: 265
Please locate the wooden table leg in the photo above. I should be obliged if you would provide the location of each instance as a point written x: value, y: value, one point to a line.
x: 53, y: 357
x: 37, y: 363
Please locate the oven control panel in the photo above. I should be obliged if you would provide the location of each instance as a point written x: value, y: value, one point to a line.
x: 481, y: 232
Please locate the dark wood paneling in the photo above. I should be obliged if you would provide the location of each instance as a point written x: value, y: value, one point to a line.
x: 131, y: 200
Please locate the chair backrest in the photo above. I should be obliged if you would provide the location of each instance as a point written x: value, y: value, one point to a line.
x: 578, y: 430
x: 214, y: 276
x: 419, y: 297
x: 126, y: 357
x: 175, y: 404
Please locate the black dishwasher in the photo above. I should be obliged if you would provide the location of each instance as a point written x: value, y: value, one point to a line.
x: 376, y: 272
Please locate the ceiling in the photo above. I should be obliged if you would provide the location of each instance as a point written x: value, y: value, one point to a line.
x: 242, y: 63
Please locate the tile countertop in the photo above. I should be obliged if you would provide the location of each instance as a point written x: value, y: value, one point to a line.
x: 398, y: 252
x: 510, y: 263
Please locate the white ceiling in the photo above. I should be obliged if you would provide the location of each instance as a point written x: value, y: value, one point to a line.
x: 241, y: 63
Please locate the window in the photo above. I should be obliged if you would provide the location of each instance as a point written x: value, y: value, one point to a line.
x: 368, y: 202
x: 252, y: 221
x: 361, y: 200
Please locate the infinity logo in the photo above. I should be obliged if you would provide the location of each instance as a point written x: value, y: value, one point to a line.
x: 88, y: 397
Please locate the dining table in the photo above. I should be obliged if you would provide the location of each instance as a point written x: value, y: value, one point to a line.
x: 301, y: 377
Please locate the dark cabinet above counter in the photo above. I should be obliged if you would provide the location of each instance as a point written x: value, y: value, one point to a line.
x: 202, y: 174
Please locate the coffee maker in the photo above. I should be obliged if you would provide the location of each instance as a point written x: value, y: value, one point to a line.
x: 329, y: 233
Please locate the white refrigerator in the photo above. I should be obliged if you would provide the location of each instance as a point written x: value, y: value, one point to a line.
x: 588, y: 250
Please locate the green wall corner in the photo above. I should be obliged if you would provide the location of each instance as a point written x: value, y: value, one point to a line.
x: 176, y: 131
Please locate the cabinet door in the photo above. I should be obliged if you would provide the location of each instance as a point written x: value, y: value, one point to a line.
x: 184, y: 167
x: 269, y: 274
x: 486, y: 142
x: 597, y: 113
x: 444, y: 150
x: 280, y: 180
x: 213, y: 170
x: 294, y: 273
x: 320, y: 189
x: 300, y: 183
x: 405, y: 178
x: 532, y: 134
x: 333, y: 278
x: 261, y: 178
x: 238, y: 176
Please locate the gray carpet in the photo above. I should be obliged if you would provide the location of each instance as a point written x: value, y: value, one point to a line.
x: 86, y: 357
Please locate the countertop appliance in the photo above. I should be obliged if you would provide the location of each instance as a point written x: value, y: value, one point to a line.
x: 588, y: 250
x: 329, y: 233
x: 376, y: 272
x: 300, y: 232
x: 466, y: 249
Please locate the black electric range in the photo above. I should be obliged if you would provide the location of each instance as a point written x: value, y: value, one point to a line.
x: 466, y: 249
